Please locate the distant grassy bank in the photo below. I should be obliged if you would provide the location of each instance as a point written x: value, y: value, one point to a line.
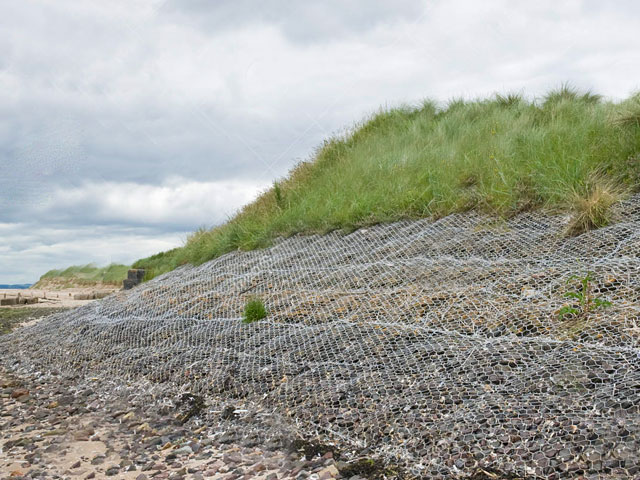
x: 83, y: 275
x: 569, y: 151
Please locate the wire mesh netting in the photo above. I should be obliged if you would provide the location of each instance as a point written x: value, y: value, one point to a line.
x: 447, y: 346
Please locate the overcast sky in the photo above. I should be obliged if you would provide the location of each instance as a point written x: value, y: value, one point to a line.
x: 125, y: 124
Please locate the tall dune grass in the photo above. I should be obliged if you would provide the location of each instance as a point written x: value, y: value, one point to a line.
x: 501, y: 155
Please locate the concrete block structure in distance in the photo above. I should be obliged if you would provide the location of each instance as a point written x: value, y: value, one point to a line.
x: 134, y: 277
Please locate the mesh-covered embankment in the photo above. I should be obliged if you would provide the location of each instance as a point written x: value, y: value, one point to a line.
x: 438, y: 344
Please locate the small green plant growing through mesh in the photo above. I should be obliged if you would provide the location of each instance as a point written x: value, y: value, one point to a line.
x: 254, y: 310
x: 585, y: 301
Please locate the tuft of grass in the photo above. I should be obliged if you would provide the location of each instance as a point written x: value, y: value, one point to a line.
x: 501, y: 155
x: 279, y: 197
x: 84, y: 275
x: 254, y: 311
x: 629, y: 114
x: 591, y: 208
x: 568, y: 93
x: 509, y: 100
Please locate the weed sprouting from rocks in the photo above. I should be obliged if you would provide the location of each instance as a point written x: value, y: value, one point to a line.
x: 584, y: 300
x: 254, y: 310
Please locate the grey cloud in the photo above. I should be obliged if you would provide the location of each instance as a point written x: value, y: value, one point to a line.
x: 299, y: 21
x: 203, y: 143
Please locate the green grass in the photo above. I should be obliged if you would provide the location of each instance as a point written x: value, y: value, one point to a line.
x: 254, y: 311
x: 81, y: 275
x: 568, y: 151
x: 11, y: 317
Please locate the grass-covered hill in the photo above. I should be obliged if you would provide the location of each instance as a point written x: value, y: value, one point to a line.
x: 83, y: 276
x: 568, y: 151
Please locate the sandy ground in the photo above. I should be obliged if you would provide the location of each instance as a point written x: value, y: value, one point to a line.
x: 52, y: 427
x: 55, y: 298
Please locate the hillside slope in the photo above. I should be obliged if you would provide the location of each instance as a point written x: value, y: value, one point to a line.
x: 497, y: 336
x: 450, y: 346
x: 568, y: 151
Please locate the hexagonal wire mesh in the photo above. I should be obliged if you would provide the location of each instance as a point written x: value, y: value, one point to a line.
x: 441, y: 344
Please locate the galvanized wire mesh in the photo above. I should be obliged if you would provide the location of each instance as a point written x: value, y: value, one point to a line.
x: 440, y: 344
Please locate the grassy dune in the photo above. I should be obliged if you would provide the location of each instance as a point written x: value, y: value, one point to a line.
x: 568, y: 151
x: 83, y: 275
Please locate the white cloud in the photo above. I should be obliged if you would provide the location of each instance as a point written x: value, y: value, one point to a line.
x: 114, y: 222
x: 178, y: 202
x: 31, y: 250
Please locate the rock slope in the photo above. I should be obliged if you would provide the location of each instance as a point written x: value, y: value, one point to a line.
x: 440, y: 345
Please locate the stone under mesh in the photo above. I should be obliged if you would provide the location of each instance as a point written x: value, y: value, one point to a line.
x: 439, y: 344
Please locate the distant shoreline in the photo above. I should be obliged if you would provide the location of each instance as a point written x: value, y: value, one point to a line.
x: 22, y: 286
